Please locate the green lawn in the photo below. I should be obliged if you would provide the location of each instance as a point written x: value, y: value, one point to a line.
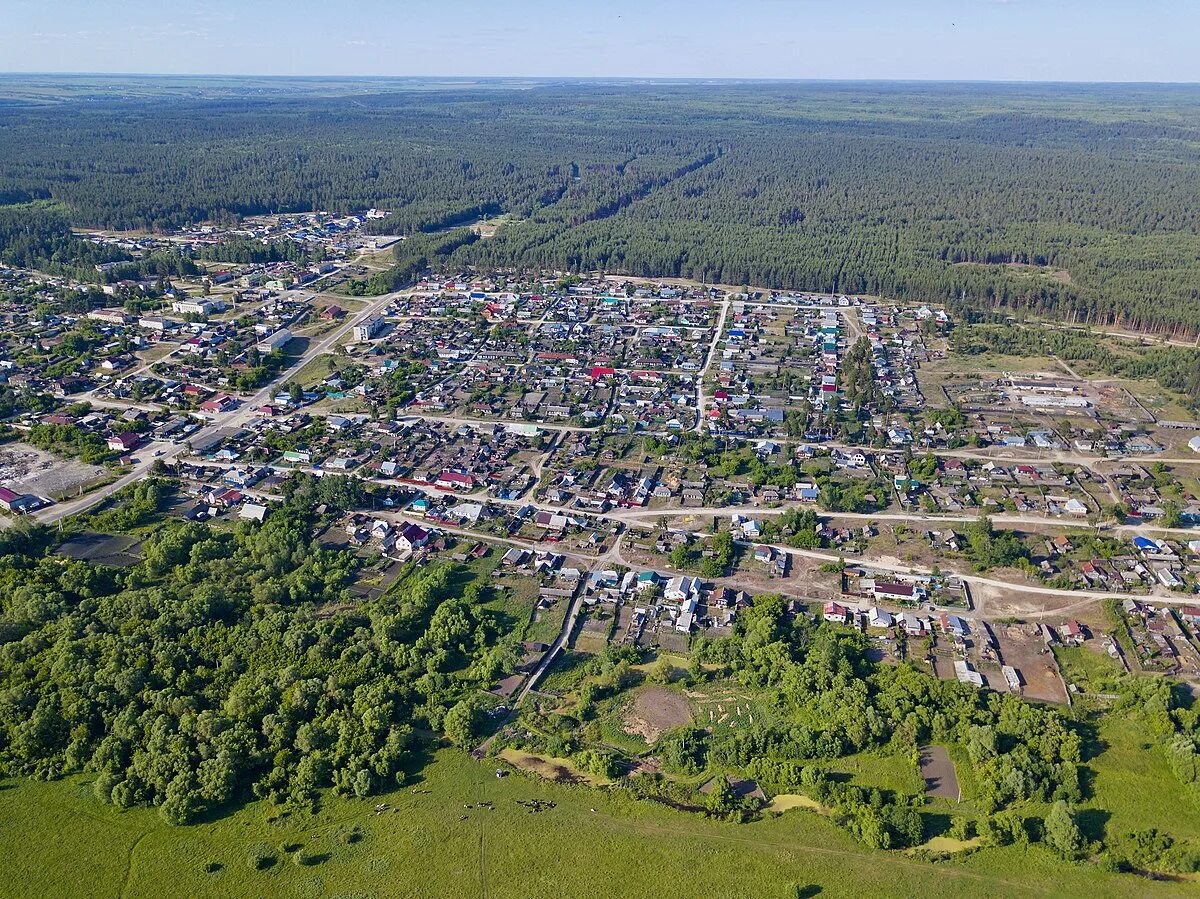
x: 56, y: 840
x: 549, y: 622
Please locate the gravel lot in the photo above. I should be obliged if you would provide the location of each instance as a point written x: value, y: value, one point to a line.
x: 27, y: 469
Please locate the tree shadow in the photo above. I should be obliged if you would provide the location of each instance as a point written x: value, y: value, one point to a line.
x: 1092, y: 823
x: 934, y: 824
x: 1090, y: 743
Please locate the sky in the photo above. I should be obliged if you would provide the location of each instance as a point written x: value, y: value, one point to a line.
x: 992, y: 40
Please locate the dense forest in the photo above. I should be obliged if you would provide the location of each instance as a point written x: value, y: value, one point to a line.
x: 34, y: 236
x: 229, y: 662
x: 1067, y: 201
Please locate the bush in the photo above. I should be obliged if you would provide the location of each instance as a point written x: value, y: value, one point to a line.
x: 260, y: 858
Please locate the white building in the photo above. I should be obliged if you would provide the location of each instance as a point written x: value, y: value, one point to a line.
x: 198, y: 307
x: 368, y: 329
x: 276, y: 341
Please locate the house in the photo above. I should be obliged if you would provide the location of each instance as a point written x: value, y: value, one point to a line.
x: 681, y: 588
x: 1147, y: 545
x: 647, y: 581
x: 835, y: 613
x: 913, y: 626
x: 455, y: 480
x: 18, y: 502
x: 225, y: 498
x: 954, y: 626
x: 411, y: 537
x: 252, y: 512
x: 893, y: 592
x: 514, y: 557
x: 748, y: 526
x: 687, y: 614
x: 1167, y: 578
x: 218, y: 404
x: 763, y: 554
x: 1072, y: 632
x: 878, y: 618
x: 124, y: 443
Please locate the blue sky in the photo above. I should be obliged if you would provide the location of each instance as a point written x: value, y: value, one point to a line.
x: 1024, y: 40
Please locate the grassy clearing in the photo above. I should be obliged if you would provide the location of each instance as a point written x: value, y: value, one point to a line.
x: 1089, y: 670
x: 548, y: 623
x: 315, y: 371
x: 1134, y: 786
x: 56, y: 840
x: 787, y: 801
x: 886, y: 772
x: 947, y: 845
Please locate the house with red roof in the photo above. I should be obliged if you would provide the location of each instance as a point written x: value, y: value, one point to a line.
x: 124, y: 443
x: 455, y: 480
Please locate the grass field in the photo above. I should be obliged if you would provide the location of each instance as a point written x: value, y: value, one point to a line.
x: 887, y: 772
x: 57, y: 840
x: 1088, y: 669
x: 549, y: 622
x: 1134, y: 784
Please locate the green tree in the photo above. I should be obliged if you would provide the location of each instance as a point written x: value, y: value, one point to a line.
x: 1062, y: 833
x: 462, y: 721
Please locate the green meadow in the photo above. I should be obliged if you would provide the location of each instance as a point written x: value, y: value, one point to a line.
x: 58, y: 841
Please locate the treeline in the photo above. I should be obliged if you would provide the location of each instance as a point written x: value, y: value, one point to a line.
x: 413, y: 256
x: 245, y: 251
x: 1068, y: 202
x: 1175, y: 368
x: 229, y: 663
x: 40, y: 238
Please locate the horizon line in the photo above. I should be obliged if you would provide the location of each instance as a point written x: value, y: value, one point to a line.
x: 692, y: 79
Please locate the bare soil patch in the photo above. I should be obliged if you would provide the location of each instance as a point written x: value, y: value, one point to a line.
x: 548, y: 768
x: 1022, y: 647
x: 938, y: 772
x: 27, y: 469
x: 655, y: 710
